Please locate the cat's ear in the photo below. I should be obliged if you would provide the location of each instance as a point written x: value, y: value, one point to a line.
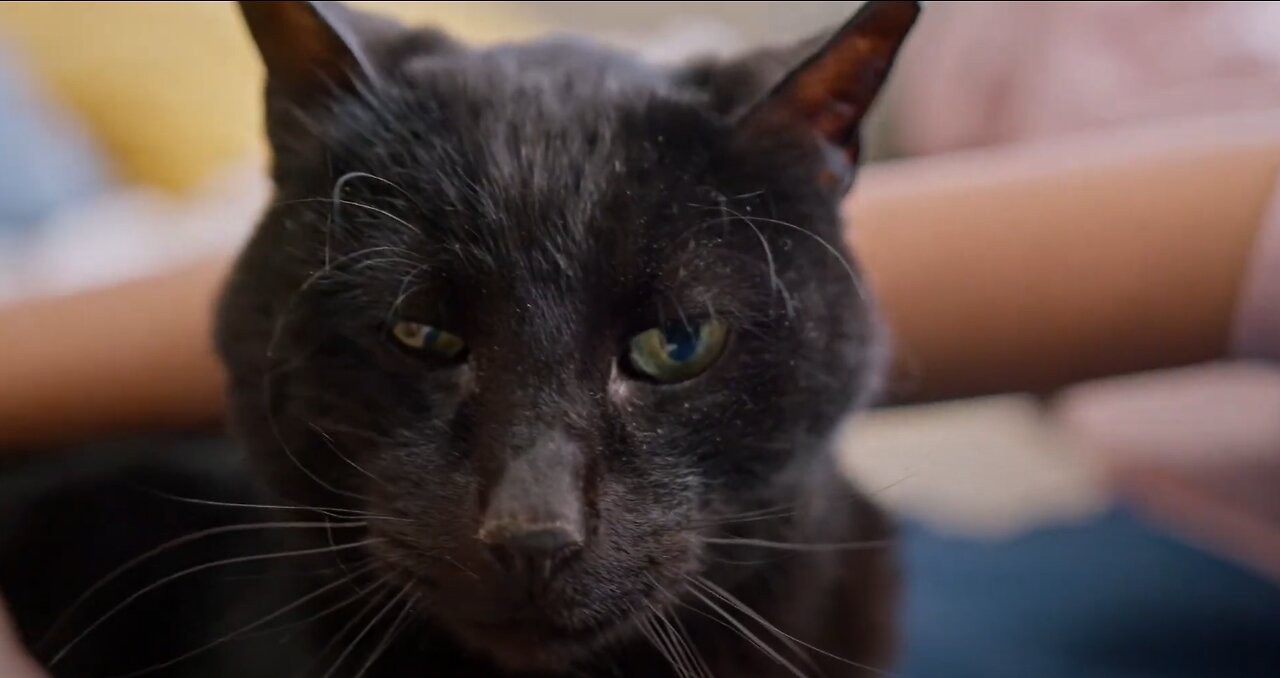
x: 830, y: 92
x: 311, y: 49
x: 732, y: 84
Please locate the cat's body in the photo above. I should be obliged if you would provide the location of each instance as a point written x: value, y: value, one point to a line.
x: 555, y: 344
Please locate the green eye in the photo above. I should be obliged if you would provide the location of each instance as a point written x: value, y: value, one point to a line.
x: 426, y: 338
x: 678, y: 352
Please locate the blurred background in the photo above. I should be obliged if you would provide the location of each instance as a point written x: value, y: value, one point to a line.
x: 130, y: 142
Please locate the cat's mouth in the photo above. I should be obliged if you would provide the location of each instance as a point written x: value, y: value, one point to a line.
x: 540, y: 628
x: 522, y: 625
x: 539, y: 644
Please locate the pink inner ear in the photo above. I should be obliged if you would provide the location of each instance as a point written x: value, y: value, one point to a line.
x: 302, y: 51
x: 835, y: 120
x: 835, y: 92
x: 832, y: 91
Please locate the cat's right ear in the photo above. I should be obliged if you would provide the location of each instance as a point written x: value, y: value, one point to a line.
x: 312, y: 49
x: 828, y: 95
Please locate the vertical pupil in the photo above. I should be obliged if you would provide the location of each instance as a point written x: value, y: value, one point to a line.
x: 682, y: 342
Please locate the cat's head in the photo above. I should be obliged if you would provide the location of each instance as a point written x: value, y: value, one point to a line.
x: 544, y: 318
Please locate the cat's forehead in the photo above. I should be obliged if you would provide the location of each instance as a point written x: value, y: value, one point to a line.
x: 552, y: 103
x: 543, y: 171
x: 573, y: 71
x: 531, y: 146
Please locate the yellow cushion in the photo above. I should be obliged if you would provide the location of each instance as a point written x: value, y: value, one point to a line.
x: 172, y: 89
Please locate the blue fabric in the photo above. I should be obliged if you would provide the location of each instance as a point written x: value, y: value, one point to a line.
x: 47, y: 161
x: 1110, y: 598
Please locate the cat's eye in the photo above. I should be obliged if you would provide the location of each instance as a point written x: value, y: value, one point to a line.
x: 428, y: 339
x: 679, y: 351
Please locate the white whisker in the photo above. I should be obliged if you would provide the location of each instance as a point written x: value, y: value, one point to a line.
x: 390, y: 637
x: 724, y: 595
x: 192, y: 570
x: 746, y: 634
x: 700, y: 662
x: 329, y: 441
x: 800, y: 546
x: 239, y: 632
x: 186, y: 539
x: 360, y: 636
x: 332, y: 512
x: 647, y: 626
x: 355, y: 619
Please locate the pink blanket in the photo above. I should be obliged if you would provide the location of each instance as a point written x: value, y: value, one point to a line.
x: 982, y: 73
x: 1198, y: 448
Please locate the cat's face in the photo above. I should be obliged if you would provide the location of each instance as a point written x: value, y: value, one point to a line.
x: 540, y: 317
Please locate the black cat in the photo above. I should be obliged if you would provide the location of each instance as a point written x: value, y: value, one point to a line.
x: 549, y: 346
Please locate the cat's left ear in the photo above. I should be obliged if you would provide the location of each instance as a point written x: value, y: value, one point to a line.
x: 829, y: 93
x: 312, y: 48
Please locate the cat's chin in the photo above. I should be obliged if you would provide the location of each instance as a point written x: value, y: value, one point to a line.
x: 538, y: 646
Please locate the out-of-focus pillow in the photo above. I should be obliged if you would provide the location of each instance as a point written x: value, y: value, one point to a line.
x: 49, y: 160
x: 172, y: 89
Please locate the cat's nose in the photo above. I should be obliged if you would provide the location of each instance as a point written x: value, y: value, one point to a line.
x: 534, y: 550
x: 535, y: 516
